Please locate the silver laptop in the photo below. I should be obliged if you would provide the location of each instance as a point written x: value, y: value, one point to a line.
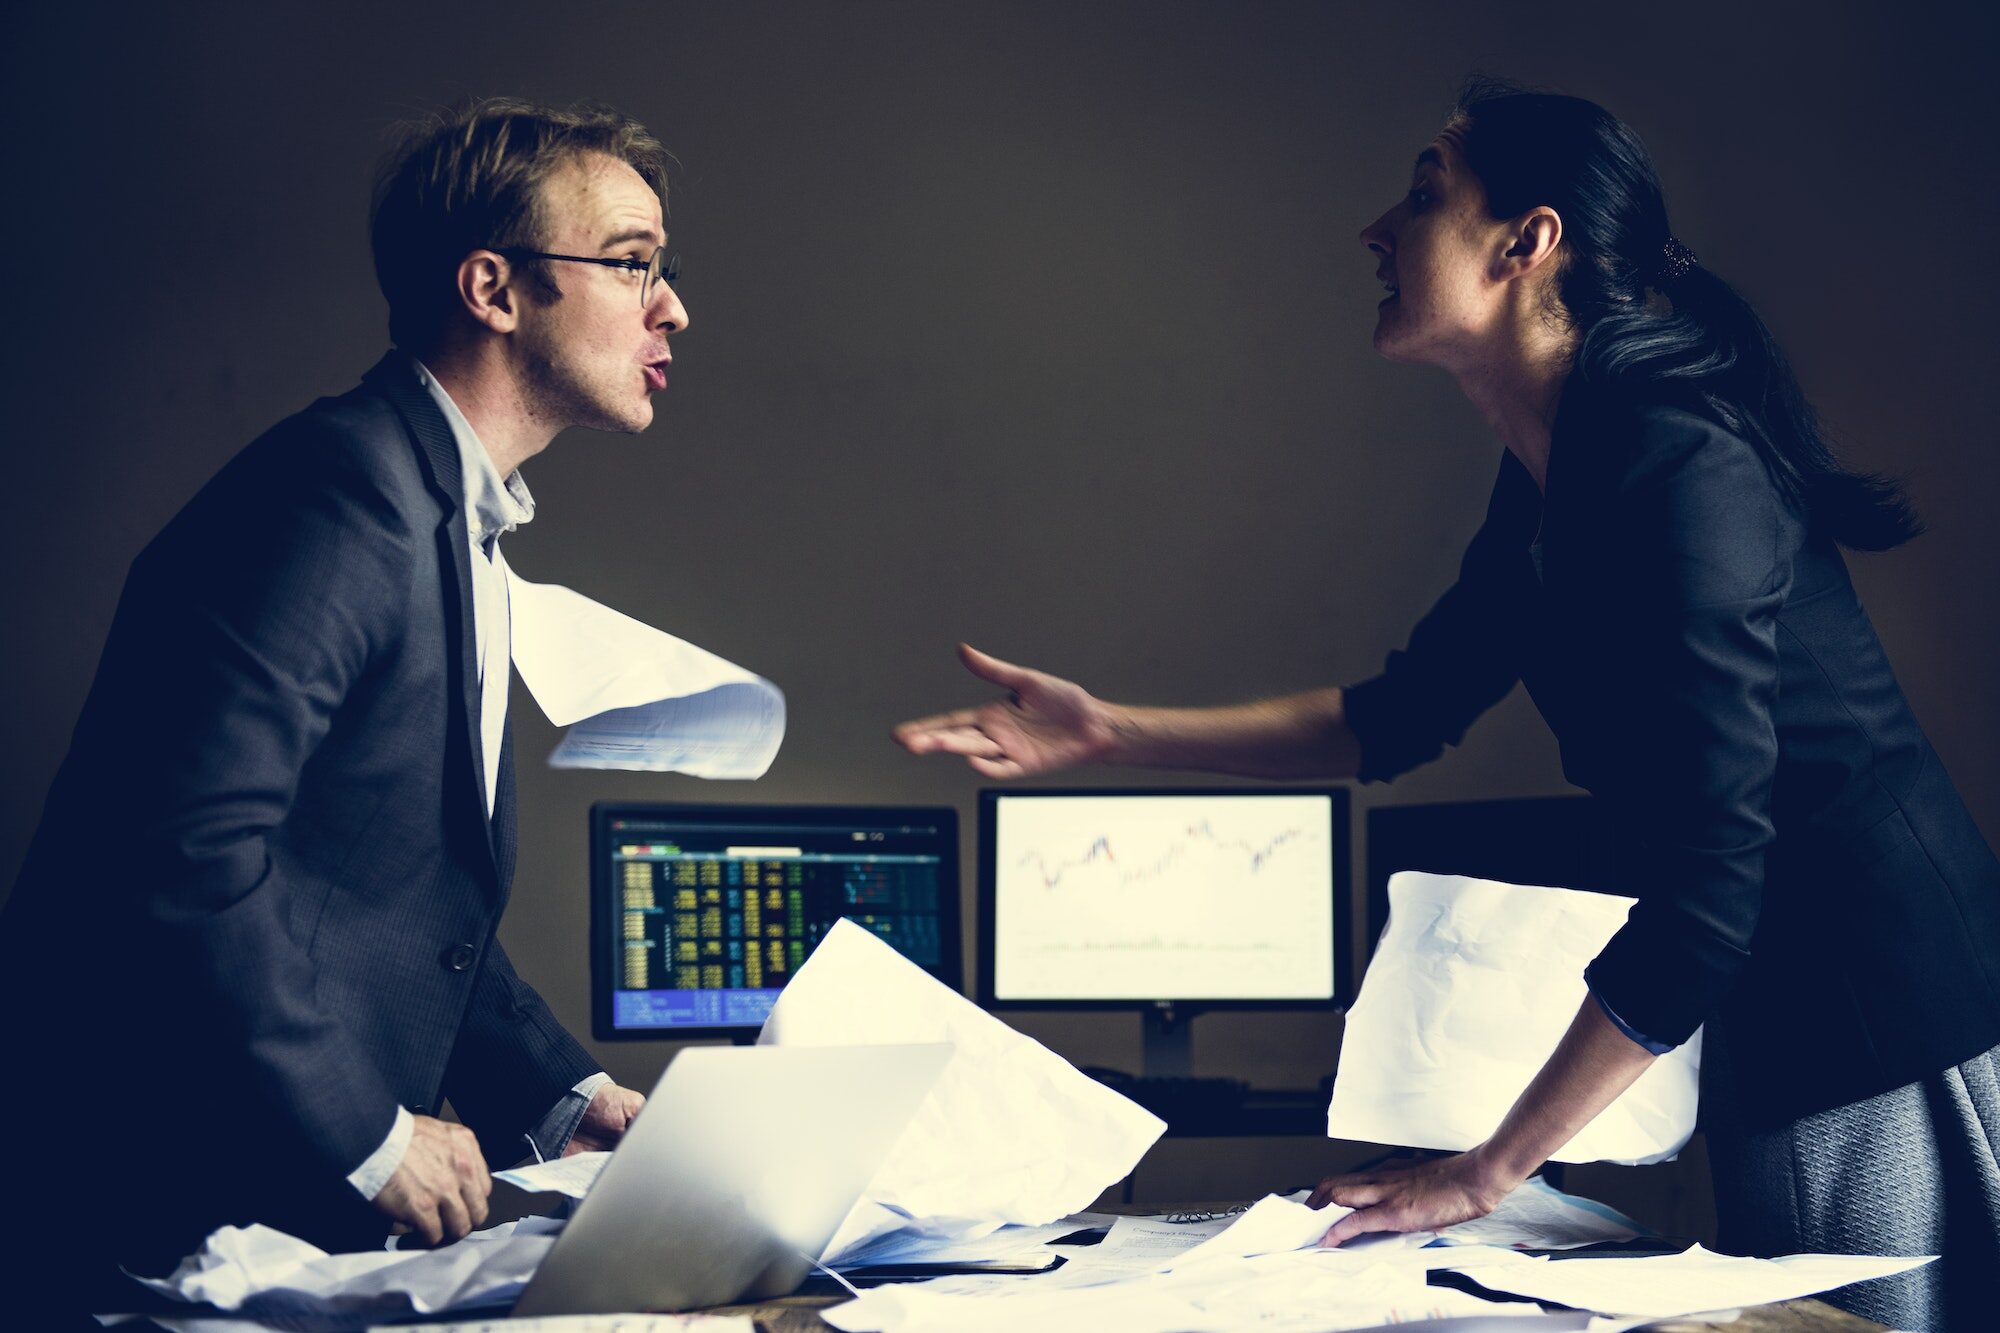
x: 733, y: 1178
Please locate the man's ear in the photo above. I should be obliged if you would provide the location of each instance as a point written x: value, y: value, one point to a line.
x: 1531, y: 243
x: 486, y: 289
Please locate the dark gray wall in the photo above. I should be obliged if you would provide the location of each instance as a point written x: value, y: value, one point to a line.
x: 1043, y: 326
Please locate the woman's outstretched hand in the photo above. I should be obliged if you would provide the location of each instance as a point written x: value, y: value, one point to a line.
x: 1042, y: 725
x: 1422, y: 1196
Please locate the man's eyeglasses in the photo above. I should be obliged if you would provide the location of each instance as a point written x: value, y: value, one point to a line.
x: 662, y: 267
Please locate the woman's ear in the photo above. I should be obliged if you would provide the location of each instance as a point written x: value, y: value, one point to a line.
x: 1531, y: 242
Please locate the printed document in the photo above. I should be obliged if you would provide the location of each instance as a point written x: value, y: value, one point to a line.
x: 635, y: 697
x: 1473, y: 984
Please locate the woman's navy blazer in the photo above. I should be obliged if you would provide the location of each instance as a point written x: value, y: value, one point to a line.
x: 1806, y: 874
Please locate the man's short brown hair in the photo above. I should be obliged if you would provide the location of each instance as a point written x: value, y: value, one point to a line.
x: 471, y: 179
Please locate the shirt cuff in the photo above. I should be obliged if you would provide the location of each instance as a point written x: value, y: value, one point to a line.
x: 1656, y: 1047
x: 374, y: 1173
x: 553, y: 1132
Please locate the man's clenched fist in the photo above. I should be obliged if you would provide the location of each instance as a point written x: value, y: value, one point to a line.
x: 440, y: 1190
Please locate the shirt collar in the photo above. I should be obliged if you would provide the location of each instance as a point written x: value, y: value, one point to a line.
x: 492, y: 506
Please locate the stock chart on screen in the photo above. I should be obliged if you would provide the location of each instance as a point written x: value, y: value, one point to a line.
x: 1163, y: 896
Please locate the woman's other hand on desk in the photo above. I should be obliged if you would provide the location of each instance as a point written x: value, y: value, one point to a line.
x: 1044, y: 724
x: 1421, y: 1196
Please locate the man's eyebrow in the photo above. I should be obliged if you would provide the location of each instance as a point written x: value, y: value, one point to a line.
x: 1430, y: 157
x: 627, y: 237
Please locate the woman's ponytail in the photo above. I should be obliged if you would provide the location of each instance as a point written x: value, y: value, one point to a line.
x: 1651, y: 316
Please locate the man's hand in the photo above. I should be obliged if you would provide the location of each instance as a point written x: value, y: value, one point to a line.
x: 440, y: 1189
x: 605, y: 1120
x: 1044, y: 724
x: 1423, y: 1196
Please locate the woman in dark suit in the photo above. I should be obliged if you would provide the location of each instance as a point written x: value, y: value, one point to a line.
x: 1660, y: 564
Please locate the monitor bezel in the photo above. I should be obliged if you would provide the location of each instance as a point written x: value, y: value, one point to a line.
x: 1340, y: 820
x: 604, y: 963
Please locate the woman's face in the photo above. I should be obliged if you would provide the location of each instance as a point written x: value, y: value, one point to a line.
x: 1435, y: 250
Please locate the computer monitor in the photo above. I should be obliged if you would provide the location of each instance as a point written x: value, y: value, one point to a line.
x: 701, y: 913
x: 1162, y: 899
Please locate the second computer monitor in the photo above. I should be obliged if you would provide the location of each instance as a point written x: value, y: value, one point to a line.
x: 701, y: 913
x: 1206, y: 898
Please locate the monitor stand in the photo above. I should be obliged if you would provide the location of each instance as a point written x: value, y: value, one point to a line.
x: 1167, y: 1041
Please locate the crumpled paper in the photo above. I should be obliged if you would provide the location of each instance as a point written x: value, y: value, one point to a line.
x: 1473, y: 984
x: 1012, y: 1133
x: 266, y: 1275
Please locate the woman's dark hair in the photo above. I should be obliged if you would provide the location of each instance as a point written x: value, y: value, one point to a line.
x: 1703, y: 348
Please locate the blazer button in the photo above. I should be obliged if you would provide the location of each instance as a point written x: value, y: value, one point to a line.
x: 459, y: 957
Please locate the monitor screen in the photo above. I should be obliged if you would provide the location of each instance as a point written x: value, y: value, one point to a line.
x: 1110, y: 898
x: 701, y: 913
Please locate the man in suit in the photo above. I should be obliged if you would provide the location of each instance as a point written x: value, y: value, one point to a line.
x: 251, y: 953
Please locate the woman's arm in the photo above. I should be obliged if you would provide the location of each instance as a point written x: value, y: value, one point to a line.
x: 1046, y: 723
x: 1591, y: 1066
x: 1297, y: 736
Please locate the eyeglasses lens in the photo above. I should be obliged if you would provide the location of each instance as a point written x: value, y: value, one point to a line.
x: 662, y: 268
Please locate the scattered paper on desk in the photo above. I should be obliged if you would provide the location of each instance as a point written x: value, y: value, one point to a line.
x: 1011, y: 1133
x: 1538, y: 1216
x: 570, y: 1176
x: 1665, y: 1286
x: 635, y: 697
x: 1271, y: 1225
x: 266, y: 1275
x: 1140, y: 1246
x: 593, y: 1323
x: 1304, y: 1291
x: 1008, y: 1243
x: 1473, y: 984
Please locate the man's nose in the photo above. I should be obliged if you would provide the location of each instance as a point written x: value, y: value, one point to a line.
x: 1376, y: 237
x: 668, y: 315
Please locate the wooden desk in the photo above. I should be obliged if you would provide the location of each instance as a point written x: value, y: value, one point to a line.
x: 800, y: 1314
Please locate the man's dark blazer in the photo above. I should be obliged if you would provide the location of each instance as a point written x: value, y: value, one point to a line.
x: 258, y: 914
x: 1805, y: 871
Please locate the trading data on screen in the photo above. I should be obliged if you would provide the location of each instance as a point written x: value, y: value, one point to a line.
x: 1163, y: 897
x: 714, y: 921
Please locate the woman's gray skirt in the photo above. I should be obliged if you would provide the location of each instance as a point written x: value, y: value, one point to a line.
x: 1912, y: 1171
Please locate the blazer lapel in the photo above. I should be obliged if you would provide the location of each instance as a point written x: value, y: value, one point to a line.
x: 504, y: 840
x: 396, y: 380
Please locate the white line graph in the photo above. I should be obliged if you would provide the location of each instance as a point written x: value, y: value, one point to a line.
x: 1122, y: 897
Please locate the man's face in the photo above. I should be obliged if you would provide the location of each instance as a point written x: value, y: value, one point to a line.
x: 597, y: 356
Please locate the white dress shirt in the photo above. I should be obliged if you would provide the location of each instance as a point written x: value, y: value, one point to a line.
x: 493, y: 506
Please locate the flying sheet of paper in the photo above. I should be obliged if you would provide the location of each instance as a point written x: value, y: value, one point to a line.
x: 1011, y: 1133
x: 266, y: 1275
x: 635, y: 697
x: 570, y: 1176
x: 1470, y: 989
x: 1665, y: 1286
